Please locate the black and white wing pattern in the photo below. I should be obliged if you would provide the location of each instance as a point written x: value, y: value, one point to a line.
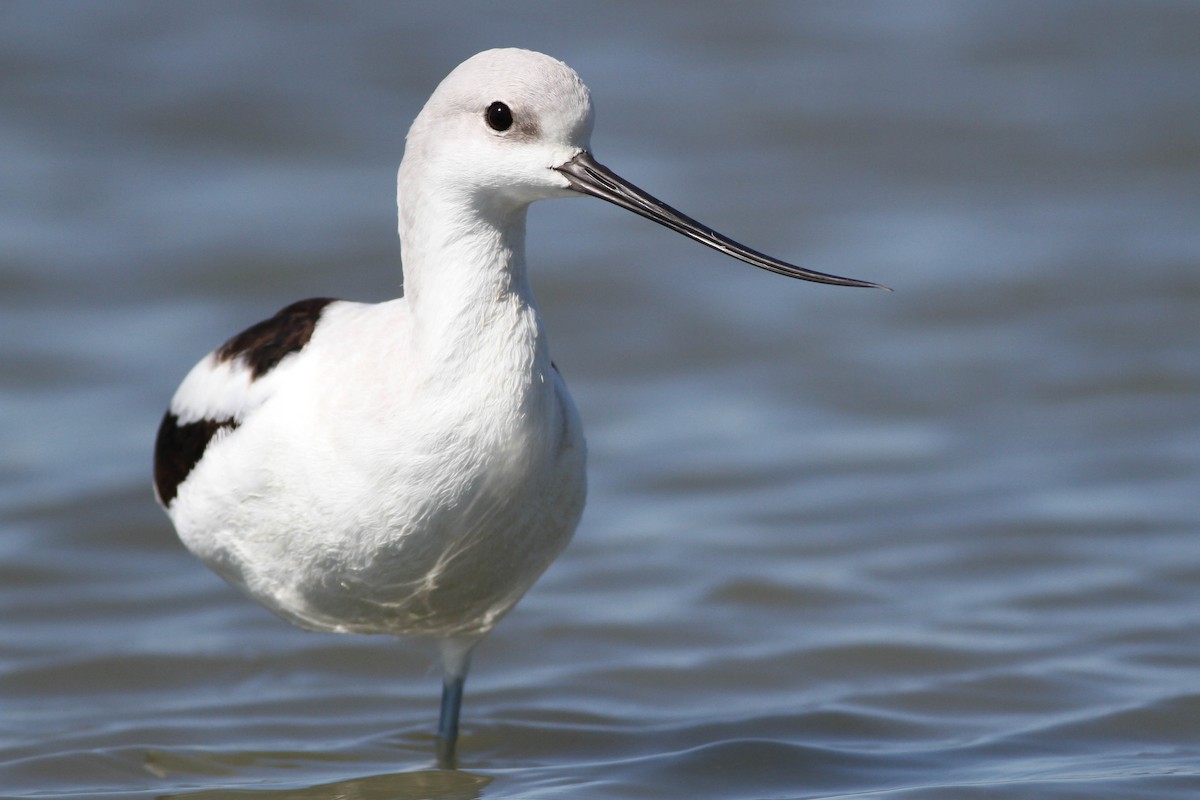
x: 225, y: 387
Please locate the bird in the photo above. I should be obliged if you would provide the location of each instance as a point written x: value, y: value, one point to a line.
x: 411, y: 467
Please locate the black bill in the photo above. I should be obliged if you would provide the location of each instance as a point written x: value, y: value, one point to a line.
x: 588, y: 176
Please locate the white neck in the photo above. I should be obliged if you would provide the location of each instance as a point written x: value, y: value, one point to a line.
x: 464, y: 275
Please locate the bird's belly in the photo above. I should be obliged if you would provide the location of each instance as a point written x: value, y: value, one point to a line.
x: 441, y: 540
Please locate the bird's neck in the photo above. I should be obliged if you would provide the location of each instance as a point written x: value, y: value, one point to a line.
x: 465, y: 279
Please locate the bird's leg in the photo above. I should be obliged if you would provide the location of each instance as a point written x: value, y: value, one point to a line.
x: 456, y: 658
x: 447, y: 734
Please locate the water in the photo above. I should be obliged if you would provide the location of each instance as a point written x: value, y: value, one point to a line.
x: 936, y: 544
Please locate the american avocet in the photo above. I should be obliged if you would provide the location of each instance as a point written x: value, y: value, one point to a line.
x: 411, y: 467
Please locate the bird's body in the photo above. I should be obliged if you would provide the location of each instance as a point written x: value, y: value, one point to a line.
x: 371, y: 488
x: 411, y: 467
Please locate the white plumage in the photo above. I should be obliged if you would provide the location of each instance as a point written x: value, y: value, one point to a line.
x: 344, y: 452
x: 411, y: 467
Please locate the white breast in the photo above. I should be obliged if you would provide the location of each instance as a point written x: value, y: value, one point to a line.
x: 368, y: 489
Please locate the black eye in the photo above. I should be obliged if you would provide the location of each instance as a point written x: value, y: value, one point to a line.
x: 499, y: 118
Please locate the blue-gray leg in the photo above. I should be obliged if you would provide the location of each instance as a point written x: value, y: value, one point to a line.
x: 456, y: 660
x: 447, y: 734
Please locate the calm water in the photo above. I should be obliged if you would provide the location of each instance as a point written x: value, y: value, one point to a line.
x: 941, y: 543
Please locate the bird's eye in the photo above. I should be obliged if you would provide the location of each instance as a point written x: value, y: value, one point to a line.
x: 499, y: 117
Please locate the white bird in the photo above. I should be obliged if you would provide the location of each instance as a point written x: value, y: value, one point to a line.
x: 412, y: 467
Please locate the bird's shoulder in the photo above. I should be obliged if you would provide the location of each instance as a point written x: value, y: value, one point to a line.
x: 225, y: 387
x: 263, y: 345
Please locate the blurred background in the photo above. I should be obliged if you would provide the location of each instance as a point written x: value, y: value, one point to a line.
x: 935, y: 543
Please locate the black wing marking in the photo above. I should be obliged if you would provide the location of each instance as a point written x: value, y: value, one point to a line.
x: 178, y: 449
x: 261, y: 347
x: 258, y: 349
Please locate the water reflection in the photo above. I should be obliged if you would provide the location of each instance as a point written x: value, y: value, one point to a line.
x: 416, y: 785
